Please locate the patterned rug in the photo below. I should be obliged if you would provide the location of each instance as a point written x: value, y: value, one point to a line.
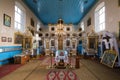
x: 61, y: 75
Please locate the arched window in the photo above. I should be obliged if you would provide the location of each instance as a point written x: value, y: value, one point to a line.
x: 100, y: 17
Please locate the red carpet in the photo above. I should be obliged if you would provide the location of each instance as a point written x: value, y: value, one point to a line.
x: 61, y: 75
x: 6, y: 69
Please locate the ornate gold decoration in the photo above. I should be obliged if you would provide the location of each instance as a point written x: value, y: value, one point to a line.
x: 60, y: 28
x: 27, y: 39
x: 18, y: 38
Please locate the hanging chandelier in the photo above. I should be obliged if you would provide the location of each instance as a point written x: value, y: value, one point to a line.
x: 60, y: 28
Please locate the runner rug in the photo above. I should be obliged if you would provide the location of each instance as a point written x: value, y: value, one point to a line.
x: 6, y: 69
x: 61, y: 75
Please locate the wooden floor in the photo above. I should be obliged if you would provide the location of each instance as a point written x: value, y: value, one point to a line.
x: 89, y: 70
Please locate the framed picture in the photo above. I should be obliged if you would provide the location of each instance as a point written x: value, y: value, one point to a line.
x: 109, y: 57
x: 7, y: 20
x: 9, y: 39
x: 73, y: 44
x: 67, y: 42
x: 3, y: 39
x: 18, y: 38
x: 89, y: 22
x: 27, y: 43
x: 32, y: 22
x: 52, y: 42
x: 47, y: 44
x: 91, y: 43
x: 40, y: 43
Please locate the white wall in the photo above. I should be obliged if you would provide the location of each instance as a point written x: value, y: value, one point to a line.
x: 7, y: 7
x: 112, y: 16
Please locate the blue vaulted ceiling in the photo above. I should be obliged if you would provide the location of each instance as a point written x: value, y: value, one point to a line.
x: 70, y: 11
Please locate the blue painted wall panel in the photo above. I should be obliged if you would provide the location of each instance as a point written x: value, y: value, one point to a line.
x: 9, y: 52
x: 4, y: 62
x: 6, y: 55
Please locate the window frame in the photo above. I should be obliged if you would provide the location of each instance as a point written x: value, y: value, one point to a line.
x: 100, y: 17
x: 19, y: 12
